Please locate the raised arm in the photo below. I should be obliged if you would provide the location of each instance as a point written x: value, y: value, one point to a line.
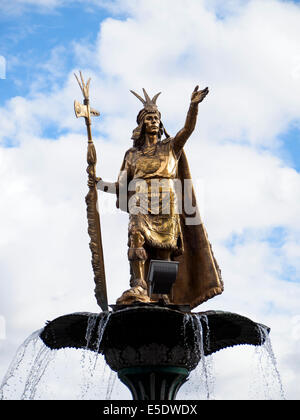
x: 191, y: 118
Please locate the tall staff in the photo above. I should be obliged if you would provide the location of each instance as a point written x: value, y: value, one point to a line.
x: 94, y: 227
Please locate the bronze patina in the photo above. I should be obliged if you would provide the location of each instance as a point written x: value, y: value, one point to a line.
x: 151, y: 188
x: 94, y: 227
x: 153, y: 342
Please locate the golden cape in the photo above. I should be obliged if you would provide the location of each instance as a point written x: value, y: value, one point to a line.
x: 199, y: 277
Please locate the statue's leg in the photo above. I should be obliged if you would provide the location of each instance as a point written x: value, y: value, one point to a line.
x: 163, y: 254
x: 137, y: 257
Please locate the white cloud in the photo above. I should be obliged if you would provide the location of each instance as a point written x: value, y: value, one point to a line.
x: 246, y: 59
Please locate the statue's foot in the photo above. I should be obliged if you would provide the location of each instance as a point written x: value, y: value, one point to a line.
x: 135, y: 294
x: 164, y: 298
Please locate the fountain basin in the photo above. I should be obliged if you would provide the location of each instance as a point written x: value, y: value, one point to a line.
x: 147, y: 324
x: 153, y: 347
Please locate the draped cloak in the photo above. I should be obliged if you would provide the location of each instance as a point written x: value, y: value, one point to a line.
x: 199, y: 277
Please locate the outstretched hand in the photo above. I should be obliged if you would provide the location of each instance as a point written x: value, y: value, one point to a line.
x: 199, y: 95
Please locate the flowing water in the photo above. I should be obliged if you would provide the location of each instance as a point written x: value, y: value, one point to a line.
x: 205, y: 367
x: 111, y: 384
x: 84, y: 374
x: 201, y: 380
x: 29, y: 376
x: 266, y: 382
x: 26, y: 369
x: 89, y: 359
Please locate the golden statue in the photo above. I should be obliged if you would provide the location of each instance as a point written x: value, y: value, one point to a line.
x: 164, y: 221
x: 147, y: 189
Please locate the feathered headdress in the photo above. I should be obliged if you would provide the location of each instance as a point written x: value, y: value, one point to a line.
x: 149, y: 107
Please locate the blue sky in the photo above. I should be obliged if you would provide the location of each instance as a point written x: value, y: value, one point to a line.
x: 244, y: 152
x: 290, y: 146
x: 28, y: 39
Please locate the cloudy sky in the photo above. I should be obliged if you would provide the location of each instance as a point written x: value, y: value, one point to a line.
x: 243, y: 154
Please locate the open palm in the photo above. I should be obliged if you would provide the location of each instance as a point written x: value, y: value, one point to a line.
x: 199, y: 95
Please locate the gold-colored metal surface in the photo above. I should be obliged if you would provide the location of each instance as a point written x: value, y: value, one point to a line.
x: 82, y: 111
x: 94, y: 227
x: 165, y: 234
x: 157, y: 230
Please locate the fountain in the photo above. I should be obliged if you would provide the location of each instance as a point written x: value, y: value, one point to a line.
x: 150, y: 337
x: 153, y: 348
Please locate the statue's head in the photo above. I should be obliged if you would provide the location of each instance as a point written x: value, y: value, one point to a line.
x: 148, y: 119
x: 152, y: 123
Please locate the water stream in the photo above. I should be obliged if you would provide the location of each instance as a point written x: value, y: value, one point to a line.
x: 26, y: 369
x: 84, y: 374
x: 29, y: 376
x: 89, y: 359
x: 202, y: 379
x: 111, y: 384
x: 265, y: 383
x: 266, y: 380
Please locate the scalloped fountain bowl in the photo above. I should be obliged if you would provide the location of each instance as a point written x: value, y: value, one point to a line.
x: 153, y: 347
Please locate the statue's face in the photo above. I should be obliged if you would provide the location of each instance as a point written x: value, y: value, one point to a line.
x: 152, y: 123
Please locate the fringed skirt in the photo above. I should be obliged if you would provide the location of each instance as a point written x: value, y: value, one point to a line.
x: 159, y: 231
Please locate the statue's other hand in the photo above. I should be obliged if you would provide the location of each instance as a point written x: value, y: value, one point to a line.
x: 93, y: 180
x: 198, y: 95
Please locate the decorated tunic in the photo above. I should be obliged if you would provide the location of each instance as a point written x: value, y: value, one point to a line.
x: 153, y: 207
x: 199, y: 277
